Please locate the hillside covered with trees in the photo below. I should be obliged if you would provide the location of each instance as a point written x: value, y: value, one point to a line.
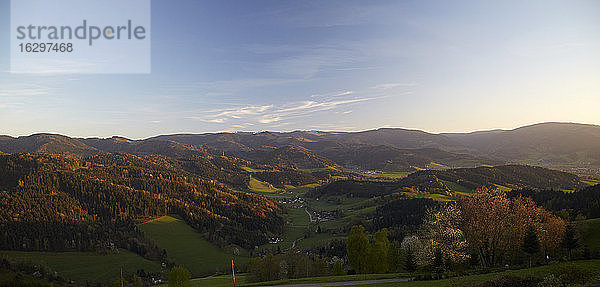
x: 60, y: 203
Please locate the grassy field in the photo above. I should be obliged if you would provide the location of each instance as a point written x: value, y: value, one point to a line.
x: 317, y: 240
x: 249, y: 169
x: 327, y: 279
x: 336, y: 202
x: 434, y: 196
x: 436, y: 166
x: 7, y: 277
x: 217, y: 281
x: 592, y: 266
x: 350, y: 215
x: 588, y: 266
x: 455, y: 187
x: 256, y: 185
x: 592, y: 234
x: 298, y: 222
x: 353, y: 208
x: 301, y: 189
x: 189, y: 248
x: 82, y: 266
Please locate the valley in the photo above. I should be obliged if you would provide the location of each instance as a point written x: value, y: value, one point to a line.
x: 199, y: 201
x: 300, y: 143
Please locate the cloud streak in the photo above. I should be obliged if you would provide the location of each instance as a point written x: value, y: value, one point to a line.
x: 272, y: 114
x: 26, y: 92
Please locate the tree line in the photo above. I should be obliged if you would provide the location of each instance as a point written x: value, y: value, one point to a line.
x: 583, y: 203
x: 288, y: 265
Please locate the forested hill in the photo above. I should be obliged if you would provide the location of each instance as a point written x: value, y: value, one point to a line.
x: 546, y: 144
x: 505, y: 176
x: 45, y: 143
x: 585, y: 202
x: 331, y: 147
x: 462, y: 180
x: 276, y: 149
x: 555, y: 145
x: 50, y: 192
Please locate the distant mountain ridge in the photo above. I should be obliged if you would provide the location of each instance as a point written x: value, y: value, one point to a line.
x: 554, y: 145
x: 45, y: 143
x: 546, y: 144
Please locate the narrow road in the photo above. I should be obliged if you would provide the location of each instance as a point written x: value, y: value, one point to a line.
x: 294, y: 243
x: 309, y: 215
x: 300, y: 238
x: 348, y: 283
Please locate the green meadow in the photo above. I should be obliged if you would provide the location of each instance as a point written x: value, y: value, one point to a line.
x: 256, y: 185
x: 86, y: 266
x: 189, y: 248
x: 589, y: 267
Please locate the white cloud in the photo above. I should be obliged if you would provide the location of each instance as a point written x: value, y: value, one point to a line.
x: 299, y: 106
x: 269, y: 119
x: 269, y: 114
x: 333, y: 95
x: 219, y: 120
x: 26, y: 92
x: 239, y: 112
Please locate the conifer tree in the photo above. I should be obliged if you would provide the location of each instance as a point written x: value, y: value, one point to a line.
x: 531, y: 244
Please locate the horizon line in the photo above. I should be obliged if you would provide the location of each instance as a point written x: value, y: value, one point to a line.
x: 300, y: 130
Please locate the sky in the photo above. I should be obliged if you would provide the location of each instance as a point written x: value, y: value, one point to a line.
x: 438, y: 66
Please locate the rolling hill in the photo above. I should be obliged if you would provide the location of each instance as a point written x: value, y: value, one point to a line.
x: 555, y: 145
x: 216, y: 192
x: 565, y: 145
x: 166, y: 148
x: 45, y: 143
x: 289, y: 157
x: 107, y: 191
x: 344, y: 149
x: 448, y: 182
x: 506, y: 177
x: 189, y: 248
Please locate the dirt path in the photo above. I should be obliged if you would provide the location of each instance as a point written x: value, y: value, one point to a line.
x: 347, y: 283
